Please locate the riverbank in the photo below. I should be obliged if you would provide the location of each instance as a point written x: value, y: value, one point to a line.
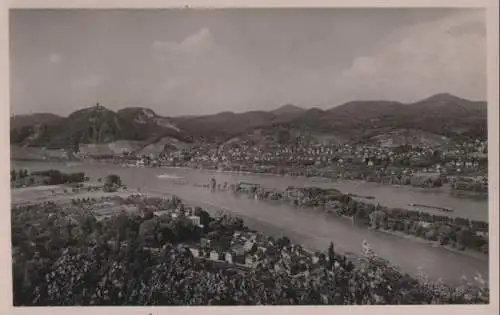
x: 83, y: 257
x: 41, y: 194
x: 466, y: 252
x: 46, y: 193
x: 446, y: 188
x: 316, y: 229
x: 57, y: 193
x: 462, y: 233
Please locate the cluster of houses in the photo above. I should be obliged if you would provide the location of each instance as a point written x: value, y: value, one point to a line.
x: 182, y: 212
x: 242, y: 250
x: 251, y: 156
x: 251, y: 250
x: 462, y: 158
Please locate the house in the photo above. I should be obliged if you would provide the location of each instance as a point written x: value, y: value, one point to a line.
x: 237, y: 258
x: 249, y: 261
x: 315, y: 259
x: 424, y: 224
x: 238, y: 250
x: 250, y: 246
x: 195, y: 252
x: 205, y: 253
x: 205, y: 242
x: 228, y: 257
x: 482, y: 234
x: 214, y: 255
x: 195, y: 220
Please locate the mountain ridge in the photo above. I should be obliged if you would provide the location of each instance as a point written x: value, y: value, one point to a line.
x: 441, y: 114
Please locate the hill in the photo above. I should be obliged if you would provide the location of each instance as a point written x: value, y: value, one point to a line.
x: 147, y: 118
x: 441, y: 114
x: 92, y: 125
x: 31, y: 128
x: 288, y: 110
x: 97, y: 125
x: 20, y: 121
x: 224, y: 125
x: 430, y: 120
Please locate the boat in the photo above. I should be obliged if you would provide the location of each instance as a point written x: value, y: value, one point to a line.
x: 431, y: 207
x: 359, y: 196
x: 168, y: 176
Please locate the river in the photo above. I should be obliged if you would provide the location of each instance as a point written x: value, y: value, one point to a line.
x: 313, y: 229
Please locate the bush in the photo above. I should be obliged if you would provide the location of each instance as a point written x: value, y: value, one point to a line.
x: 113, y: 180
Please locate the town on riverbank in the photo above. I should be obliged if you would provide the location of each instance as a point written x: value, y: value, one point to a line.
x: 94, y: 232
x: 461, y: 166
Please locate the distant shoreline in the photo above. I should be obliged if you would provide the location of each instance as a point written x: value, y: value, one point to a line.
x: 444, y: 189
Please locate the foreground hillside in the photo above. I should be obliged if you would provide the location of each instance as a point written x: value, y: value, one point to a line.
x: 431, y: 121
x: 123, y: 248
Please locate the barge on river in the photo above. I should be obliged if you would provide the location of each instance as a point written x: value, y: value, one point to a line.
x: 431, y: 207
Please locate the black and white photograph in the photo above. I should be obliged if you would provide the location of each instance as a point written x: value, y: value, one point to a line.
x: 249, y: 156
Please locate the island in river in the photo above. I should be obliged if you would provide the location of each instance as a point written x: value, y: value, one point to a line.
x: 314, y: 230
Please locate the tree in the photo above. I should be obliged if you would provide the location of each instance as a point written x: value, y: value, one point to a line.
x: 377, y: 218
x: 361, y: 214
x: 184, y: 230
x: 204, y: 216
x: 444, y: 234
x: 23, y: 173
x: 174, y: 202
x: 432, y: 235
x: 464, y: 237
x: 148, y: 231
x: 166, y: 235
x: 121, y: 224
x: 283, y: 242
x: 89, y: 224
x: 331, y: 254
x: 113, y: 180
x: 109, y: 188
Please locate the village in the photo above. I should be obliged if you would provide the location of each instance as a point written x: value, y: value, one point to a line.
x: 463, y: 165
x: 224, y: 240
x: 217, y: 256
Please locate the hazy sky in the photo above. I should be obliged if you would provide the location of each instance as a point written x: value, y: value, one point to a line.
x: 204, y: 61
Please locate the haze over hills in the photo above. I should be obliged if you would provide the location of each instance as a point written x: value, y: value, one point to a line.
x: 441, y: 115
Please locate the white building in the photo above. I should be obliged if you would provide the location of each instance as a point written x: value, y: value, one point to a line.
x: 229, y: 257
x: 195, y: 252
x: 214, y: 255
x: 195, y: 219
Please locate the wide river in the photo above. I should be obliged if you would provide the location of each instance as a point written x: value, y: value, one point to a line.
x: 313, y: 229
